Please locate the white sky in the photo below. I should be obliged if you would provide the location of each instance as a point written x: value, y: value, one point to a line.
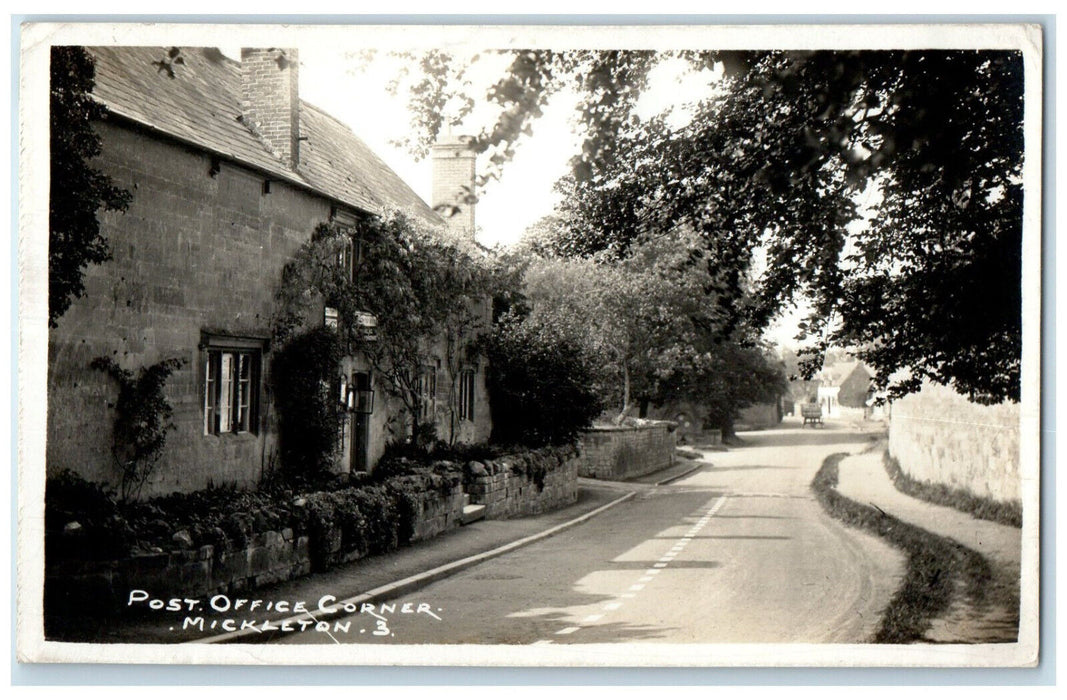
x: 356, y: 94
x: 332, y: 80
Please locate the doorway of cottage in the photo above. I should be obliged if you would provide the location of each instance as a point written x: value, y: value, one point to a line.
x: 362, y: 405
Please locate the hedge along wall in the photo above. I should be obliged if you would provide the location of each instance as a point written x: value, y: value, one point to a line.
x: 524, y: 484
x: 333, y: 529
x: 626, y: 452
x: 940, y: 437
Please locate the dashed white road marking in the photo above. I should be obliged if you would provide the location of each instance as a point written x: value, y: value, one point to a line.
x: 661, y: 564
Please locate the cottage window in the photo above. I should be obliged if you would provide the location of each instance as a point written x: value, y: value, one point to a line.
x: 466, y: 394
x: 350, y: 255
x: 231, y: 388
x: 427, y: 392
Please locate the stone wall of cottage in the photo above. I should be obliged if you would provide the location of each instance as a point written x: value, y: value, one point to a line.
x: 618, y: 453
x: 200, y: 249
x: 938, y: 436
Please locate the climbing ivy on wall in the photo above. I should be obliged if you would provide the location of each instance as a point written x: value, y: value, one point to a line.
x: 421, y: 290
x: 142, y: 420
x: 305, y: 375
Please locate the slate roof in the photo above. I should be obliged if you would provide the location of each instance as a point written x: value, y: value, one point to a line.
x: 201, y: 105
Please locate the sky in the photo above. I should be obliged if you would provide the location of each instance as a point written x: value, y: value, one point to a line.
x: 356, y: 93
x: 354, y: 90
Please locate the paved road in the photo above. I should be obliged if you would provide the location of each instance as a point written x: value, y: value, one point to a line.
x: 737, y: 552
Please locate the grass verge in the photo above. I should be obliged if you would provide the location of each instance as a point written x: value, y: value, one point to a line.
x: 1005, y: 513
x: 938, y: 569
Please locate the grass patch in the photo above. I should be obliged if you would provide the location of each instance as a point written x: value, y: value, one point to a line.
x: 1005, y: 513
x: 938, y: 569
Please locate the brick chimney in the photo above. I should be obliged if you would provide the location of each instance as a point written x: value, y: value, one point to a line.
x: 453, y: 183
x: 270, y: 101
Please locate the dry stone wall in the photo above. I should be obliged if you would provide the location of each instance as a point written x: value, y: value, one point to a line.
x: 269, y: 557
x: 510, y: 486
x: 625, y: 452
x: 524, y: 484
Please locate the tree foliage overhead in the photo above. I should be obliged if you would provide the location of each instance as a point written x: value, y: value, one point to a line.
x: 883, y: 186
x: 77, y: 191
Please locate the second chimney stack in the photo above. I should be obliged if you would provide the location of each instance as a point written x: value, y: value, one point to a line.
x: 453, y: 183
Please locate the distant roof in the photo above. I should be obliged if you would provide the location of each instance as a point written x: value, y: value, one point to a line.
x: 838, y: 372
x: 201, y: 105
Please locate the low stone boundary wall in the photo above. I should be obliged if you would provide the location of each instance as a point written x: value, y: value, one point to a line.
x: 759, y: 417
x: 271, y: 556
x: 524, y: 484
x: 705, y: 436
x: 939, y: 437
x: 625, y: 452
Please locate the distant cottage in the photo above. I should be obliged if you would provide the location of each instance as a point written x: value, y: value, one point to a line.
x: 845, y: 384
x: 230, y: 174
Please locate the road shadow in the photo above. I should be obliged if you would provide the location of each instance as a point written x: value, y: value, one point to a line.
x: 676, y: 564
x: 728, y: 537
x: 746, y: 468
x: 798, y: 437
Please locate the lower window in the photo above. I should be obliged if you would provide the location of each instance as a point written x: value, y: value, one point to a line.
x: 231, y: 390
x: 427, y: 392
x: 466, y: 395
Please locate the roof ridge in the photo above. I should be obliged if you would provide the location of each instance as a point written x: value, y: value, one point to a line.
x: 200, y: 103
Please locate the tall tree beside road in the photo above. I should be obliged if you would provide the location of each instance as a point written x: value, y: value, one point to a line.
x: 770, y: 172
x: 653, y: 322
x: 77, y: 191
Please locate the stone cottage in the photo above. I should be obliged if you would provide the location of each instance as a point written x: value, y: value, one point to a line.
x: 230, y: 173
x: 843, y: 384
